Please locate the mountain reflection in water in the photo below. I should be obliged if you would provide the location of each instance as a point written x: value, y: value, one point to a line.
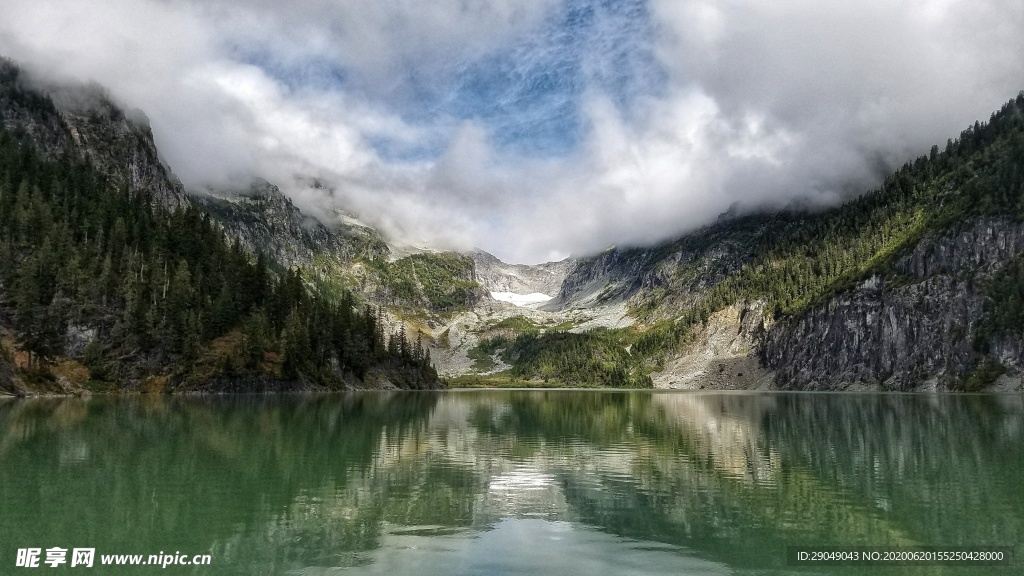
x: 488, y: 482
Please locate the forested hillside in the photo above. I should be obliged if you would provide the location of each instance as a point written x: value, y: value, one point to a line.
x: 795, y: 261
x: 112, y: 277
x: 101, y: 287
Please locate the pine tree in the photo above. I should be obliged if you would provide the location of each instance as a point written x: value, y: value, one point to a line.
x: 295, y: 347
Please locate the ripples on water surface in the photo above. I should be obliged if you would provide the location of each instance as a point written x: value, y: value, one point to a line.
x: 510, y: 482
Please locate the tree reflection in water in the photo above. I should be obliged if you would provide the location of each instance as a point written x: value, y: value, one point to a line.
x: 279, y: 484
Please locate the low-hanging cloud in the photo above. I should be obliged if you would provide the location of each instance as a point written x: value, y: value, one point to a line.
x: 536, y: 128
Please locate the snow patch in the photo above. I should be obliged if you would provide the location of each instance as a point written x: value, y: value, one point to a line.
x: 521, y: 299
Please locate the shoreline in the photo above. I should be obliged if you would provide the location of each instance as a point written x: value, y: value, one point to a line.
x: 732, y: 392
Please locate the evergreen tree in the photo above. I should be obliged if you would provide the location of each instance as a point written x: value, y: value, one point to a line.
x: 162, y: 285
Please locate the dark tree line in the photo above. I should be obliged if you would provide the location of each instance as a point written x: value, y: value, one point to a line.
x: 148, y: 289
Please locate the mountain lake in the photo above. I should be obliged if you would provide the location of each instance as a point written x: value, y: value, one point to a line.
x: 507, y: 482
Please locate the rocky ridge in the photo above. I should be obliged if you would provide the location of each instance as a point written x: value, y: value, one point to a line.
x: 666, y: 277
x: 916, y: 323
x: 82, y: 121
x: 264, y: 220
x: 497, y: 276
x: 918, y: 328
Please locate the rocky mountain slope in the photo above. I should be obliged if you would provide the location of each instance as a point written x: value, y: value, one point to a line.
x: 916, y: 285
x: 912, y: 286
x: 264, y: 220
x: 82, y: 122
x: 341, y: 253
x: 921, y: 325
x: 111, y: 279
x: 681, y: 270
x: 497, y: 276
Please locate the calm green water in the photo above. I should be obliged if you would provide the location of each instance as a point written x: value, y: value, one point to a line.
x: 509, y: 482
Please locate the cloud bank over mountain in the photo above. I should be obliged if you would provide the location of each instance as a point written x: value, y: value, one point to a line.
x: 536, y: 128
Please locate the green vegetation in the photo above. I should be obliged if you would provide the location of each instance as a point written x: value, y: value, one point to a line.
x: 983, y: 375
x: 800, y: 259
x: 440, y: 281
x: 516, y: 325
x: 482, y: 361
x: 1004, y: 304
x: 597, y: 357
x: 6, y: 354
x: 165, y: 292
x: 815, y: 256
x: 508, y: 380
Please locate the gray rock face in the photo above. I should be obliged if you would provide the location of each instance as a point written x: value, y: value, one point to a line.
x: 264, y: 220
x: 898, y: 336
x: 497, y: 276
x: 610, y: 276
x: 917, y: 328
x: 86, y: 124
x: 77, y: 338
x: 723, y: 353
x: 682, y: 270
x: 122, y: 147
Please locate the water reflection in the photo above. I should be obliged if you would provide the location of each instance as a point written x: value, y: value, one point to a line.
x: 509, y: 481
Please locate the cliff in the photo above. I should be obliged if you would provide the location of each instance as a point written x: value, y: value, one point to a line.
x: 82, y: 122
x: 915, y: 285
x: 923, y: 325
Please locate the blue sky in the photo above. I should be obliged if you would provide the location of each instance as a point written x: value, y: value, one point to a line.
x: 529, y: 95
x: 526, y: 92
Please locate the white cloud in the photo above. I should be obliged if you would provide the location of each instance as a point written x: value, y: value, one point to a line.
x: 763, y: 103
